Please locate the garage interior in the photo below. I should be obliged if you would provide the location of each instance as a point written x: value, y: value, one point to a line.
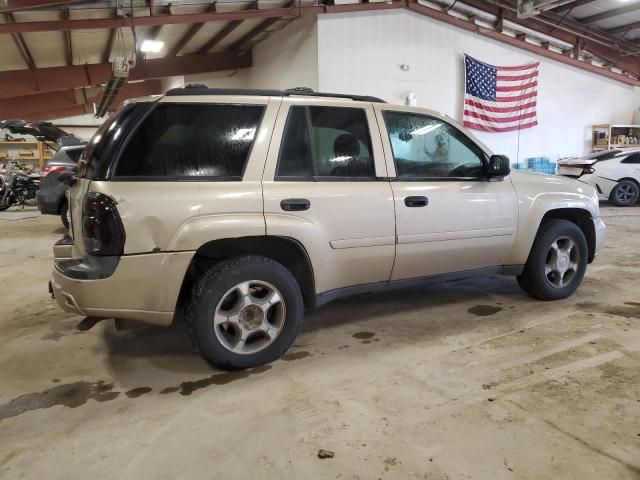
x: 466, y: 378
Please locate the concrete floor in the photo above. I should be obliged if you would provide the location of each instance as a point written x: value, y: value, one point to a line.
x: 469, y: 379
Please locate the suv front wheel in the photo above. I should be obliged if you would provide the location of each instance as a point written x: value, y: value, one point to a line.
x: 557, y: 261
x: 245, y: 311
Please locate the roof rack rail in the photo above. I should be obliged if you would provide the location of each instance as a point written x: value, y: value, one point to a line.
x: 199, y: 89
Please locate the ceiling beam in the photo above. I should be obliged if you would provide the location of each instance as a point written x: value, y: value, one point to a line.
x: 106, y: 55
x: 51, y: 79
x: 244, y: 42
x: 221, y: 35
x: 520, y: 43
x: 21, y: 44
x: 18, y: 5
x: 571, y: 6
x: 623, y: 28
x: 155, y: 30
x: 247, y: 40
x: 19, y: 107
x: 188, y: 36
x: 175, y: 19
x: 610, y: 13
x: 80, y: 109
x: 68, y: 46
x: 548, y: 23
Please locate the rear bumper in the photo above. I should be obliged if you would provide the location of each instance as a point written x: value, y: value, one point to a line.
x: 141, y: 287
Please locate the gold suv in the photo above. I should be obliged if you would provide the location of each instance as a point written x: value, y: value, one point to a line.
x: 243, y: 207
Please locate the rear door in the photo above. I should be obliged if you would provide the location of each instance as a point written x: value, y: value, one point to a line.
x: 325, y: 185
x: 449, y: 216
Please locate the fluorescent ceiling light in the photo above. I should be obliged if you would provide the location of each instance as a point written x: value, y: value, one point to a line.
x: 151, y: 46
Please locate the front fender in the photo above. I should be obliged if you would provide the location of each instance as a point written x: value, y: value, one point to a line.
x: 540, y: 194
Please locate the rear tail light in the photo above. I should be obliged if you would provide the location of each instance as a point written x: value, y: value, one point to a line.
x: 48, y: 170
x: 102, y: 228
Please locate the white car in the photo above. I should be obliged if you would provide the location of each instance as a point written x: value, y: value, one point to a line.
x: 615, y: 174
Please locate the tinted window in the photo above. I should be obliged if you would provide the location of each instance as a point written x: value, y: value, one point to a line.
x: 634, y: 158
x: 187, y: 141
x: 100, y: 150
x: 426, y: 147
x: 324, y: 143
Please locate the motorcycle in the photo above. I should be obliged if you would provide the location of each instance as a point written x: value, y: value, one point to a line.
x: 17, y: 187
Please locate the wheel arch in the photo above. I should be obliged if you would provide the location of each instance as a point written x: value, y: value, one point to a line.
x: 631, y: 179
x: 285, y: 250
x: 580, y: 217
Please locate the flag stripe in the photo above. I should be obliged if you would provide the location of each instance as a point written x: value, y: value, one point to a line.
x: 519, y: 67
x: 515, y: 98
x: 489, y: 108
x: 492, y: 119
x: 516, y: 88
x: 482, y: 111
x: 488, y: 128
x: 513, y: 78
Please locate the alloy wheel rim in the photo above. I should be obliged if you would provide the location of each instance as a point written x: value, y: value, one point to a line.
x: 249, y: 317
x: 562, y: 262
x: 625, y: 193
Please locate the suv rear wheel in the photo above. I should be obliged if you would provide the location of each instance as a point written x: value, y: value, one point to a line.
x: 557, y: 261
x: 244, y: 312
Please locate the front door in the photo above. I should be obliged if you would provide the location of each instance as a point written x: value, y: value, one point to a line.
x: 450, y: 216
x: 325, y: 186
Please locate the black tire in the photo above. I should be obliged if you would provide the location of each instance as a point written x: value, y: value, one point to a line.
x: 625, y: 193
x: 3, y: 205
x: 64, y: 211
x: 210, y: 289
x: 533, y: 279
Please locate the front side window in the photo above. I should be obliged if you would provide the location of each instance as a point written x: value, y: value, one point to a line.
x: 325, y: 143
x: 426, y: 147
x: 189, y: 141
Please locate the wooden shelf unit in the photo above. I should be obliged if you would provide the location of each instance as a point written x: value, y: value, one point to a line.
x: 607, y: 136
x: 41, y: 152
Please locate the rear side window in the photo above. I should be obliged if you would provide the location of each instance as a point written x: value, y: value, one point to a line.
x: 326, y: 143
x: 633, y: 158
x: 101, y: 149
x: 187, y: 141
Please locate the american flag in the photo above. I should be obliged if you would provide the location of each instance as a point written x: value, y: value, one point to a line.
x: 499, y: 99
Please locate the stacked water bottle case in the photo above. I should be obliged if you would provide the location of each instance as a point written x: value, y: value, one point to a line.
x: 537, y: 165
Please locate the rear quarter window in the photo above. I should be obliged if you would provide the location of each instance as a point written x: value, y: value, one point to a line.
x: 99, y: 153
x: 191, y: 142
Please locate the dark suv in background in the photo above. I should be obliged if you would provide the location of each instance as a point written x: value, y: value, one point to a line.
x: 52, y: 199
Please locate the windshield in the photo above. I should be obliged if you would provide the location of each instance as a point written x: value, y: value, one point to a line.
x: 97, y: 155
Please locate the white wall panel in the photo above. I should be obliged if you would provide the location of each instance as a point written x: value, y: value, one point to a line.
x: 362, y: 53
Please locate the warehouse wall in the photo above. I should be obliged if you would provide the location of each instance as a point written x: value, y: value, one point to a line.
x: 362, y: 53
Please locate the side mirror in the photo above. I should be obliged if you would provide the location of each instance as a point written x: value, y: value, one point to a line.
x: 498, y: 166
